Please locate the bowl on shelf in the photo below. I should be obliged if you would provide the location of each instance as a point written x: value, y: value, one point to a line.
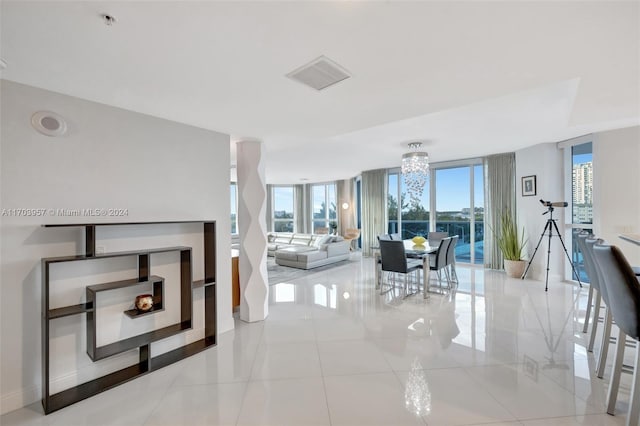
x: 144, y: 302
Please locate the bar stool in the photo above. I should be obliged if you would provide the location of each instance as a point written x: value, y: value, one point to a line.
x: 593, y: 285
x: 595, y: 294
x: 623, y: 294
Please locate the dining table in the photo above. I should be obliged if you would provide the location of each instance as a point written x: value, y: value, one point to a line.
x: 411, y: 250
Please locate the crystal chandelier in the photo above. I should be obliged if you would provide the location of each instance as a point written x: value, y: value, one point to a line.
x: 415, y: 169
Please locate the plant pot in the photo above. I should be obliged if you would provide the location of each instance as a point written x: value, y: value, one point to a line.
x: 514, y: 268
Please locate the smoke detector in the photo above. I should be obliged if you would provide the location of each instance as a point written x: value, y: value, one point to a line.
x: 320, y: 73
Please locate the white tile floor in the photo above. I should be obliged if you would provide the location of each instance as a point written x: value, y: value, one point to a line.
x: 333, y: 351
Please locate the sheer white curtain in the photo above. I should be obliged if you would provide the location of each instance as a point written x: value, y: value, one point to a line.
x: 500, y: 195
x: 374, y: 208
x: 346, y: 217
x: 300, y: 210
x: 269, y: 209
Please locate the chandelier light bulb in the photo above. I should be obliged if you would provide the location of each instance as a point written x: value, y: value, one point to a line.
x: 415, y: 169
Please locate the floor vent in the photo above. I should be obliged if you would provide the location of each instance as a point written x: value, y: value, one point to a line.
x: 319, y: 74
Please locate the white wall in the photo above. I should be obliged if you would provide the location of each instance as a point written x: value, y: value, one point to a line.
x: 545, y: 162
x: 616, y: 187
x: 109, y: 158
x: 616, y: 191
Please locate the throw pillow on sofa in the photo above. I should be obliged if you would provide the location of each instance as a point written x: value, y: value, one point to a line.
x: 322, y: 239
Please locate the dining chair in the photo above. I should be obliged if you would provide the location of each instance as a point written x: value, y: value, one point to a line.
x: 378, y: 261
x: 623, y: 294
x: 603, y: 298
x: 594, y: 298
x: 451, y: 258
x: 397, y: 236
x: 434, y: 238
x: 438, y: 262
x: 394, y: 260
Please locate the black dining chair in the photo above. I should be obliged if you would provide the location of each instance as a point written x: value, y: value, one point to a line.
x: 623, y: 298
x: 394, y: 260
x: 451, y: 259
x: 377, y: 258
x: 438, y: 262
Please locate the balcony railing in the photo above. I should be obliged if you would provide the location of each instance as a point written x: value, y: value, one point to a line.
x: 411, y: 228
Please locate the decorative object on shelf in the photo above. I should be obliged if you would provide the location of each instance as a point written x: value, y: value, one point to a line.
x: 144, y: 302
x: 511, y: 244
x: 415, y: 170
x: 529, y: 186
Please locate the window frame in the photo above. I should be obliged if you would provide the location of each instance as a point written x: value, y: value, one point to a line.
x: 567, y: 163
x: 275, y: 220
x: 327, y: 219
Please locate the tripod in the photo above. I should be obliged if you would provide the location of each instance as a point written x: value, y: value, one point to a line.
x: 551, y: 225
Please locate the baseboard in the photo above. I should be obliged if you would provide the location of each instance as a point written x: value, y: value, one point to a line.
x: 19, y: 399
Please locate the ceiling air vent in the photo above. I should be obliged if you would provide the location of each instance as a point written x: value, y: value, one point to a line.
x: 319, y: 74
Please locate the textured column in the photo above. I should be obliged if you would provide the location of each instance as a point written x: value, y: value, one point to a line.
x: 252, y: 195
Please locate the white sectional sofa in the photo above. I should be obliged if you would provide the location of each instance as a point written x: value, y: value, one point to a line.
x: 306, y: 251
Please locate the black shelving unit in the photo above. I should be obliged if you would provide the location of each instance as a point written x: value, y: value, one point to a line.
x: 142, y: 342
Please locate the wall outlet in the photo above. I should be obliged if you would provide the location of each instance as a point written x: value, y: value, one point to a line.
x: 99, y: 249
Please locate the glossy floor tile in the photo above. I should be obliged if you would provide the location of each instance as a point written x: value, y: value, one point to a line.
x: 334, y: 351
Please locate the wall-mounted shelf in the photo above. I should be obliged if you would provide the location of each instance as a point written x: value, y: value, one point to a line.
x: 134, y: 313
x: 142, y: 342
x: 70, y: 310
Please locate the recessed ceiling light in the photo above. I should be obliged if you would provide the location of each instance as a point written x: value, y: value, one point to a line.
x: 304, y: 179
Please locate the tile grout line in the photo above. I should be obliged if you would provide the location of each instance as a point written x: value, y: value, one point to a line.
x: 324, y: 384
x: 246, y: 384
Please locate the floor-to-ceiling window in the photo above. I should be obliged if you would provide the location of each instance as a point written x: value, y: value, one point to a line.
x: 455, y: 192
x: 579, y: 214
x: 323, y: 197
x: 478, y: 213
x: 283, y: 209
x: 459, y: 207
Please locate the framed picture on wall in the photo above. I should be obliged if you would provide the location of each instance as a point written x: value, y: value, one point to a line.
x: 528, y: 186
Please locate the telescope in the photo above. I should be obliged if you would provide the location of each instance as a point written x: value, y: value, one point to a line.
x: 550, y: 226
x: 554, y: 204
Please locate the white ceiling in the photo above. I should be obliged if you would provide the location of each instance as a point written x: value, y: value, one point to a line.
x: 470, y: 78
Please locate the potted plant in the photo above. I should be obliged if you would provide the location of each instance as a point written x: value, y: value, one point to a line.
x: 511, y: 244
x: 334, y: 227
